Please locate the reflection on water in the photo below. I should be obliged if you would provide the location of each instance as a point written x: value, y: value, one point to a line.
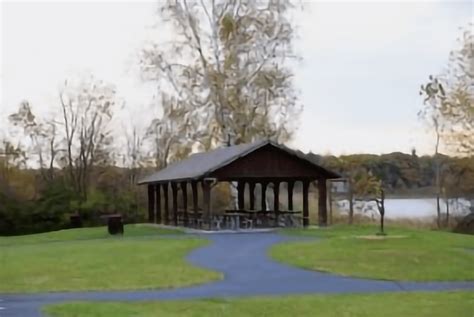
x: 408, y: 208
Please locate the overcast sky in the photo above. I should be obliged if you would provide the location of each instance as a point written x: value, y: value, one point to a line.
x: 363, y: 63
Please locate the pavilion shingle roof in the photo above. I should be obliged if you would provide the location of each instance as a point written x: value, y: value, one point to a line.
x: 199, y: 165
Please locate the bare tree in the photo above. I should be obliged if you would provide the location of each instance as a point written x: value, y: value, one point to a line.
x: 134, y: 157
x: 434, y: 97
x: 227, y: 66
x: 172, y: 136
x: 87, y: 107
x: 351, y: 171
x: 11, y: 156
x: 370, y: 188
x: 42, y: 137
x: 455, y: 182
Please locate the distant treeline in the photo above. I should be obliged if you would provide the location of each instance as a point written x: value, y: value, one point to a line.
x: 30, y: 202
x: 408, y: 174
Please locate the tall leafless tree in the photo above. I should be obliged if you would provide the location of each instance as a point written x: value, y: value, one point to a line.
x: 87, y: 107
x: 434, y: 97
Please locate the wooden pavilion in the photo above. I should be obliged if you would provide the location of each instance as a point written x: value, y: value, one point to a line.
x: 261, y: 162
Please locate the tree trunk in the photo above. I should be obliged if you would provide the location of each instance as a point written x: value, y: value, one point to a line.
x: 381, y: 207
x: 438, y: 212
x: 438, y: 180
x: 382, y: 216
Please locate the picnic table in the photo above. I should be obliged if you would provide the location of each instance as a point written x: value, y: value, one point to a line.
x: 193, y: 218
x: 291, y: 218
x: 234, y: 219
x: 265, y: 217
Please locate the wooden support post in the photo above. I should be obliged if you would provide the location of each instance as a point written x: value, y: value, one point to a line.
x: 151, y: 203
x: 241, y: 195
x: 329, y: 187
x: 167, y: 206
x: 158, y: 203
x: 184, y: 191
x: 252, y: 195
x: 195, y: 201
x: 206, y: 190
x: 322, y: 203
x: 290, y: 186
x: 305, y: 203
x: 276, y: 200
x: 174, y: 189
x: 264, y: 196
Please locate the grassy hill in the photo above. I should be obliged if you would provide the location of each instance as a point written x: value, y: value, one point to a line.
x: 90, y: 259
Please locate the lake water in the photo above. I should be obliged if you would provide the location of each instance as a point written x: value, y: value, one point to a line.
x: 408, y: 207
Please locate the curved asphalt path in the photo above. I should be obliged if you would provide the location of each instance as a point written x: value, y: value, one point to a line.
x: 248, y: 271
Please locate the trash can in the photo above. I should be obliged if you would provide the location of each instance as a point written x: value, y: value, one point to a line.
x: 75, y: 221
x: 115, y: 224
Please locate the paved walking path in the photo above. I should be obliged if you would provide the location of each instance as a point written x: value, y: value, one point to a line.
x: 247, y: 270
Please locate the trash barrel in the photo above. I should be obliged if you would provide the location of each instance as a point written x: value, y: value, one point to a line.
x: 75, y: 221
x: 115, y: 224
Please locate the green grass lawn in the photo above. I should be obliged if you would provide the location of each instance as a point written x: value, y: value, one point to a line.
x: 90, y: 259
x: 417, y: 255
x: 133, y: 230
x: 442, y: 304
